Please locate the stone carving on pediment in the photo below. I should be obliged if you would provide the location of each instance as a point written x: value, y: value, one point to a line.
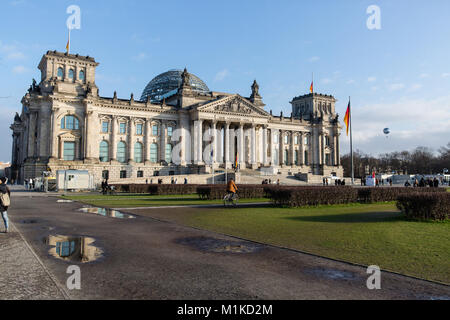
x: 234, y: 106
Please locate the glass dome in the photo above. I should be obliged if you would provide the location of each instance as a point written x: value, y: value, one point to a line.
x: 167, y: 83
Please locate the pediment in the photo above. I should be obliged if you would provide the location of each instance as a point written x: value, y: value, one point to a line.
x: 70, y: 135
x: 233, y: 105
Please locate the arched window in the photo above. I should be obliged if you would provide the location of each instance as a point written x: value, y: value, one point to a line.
x: 154, y: 153
x: 71, y: 74
x: 138, y: 152
x: 70, y: 123
x: 168, y: 156
x: 121, y: 152
x: 60, y: 73
x: 104, y: 151
x: 81, y: 75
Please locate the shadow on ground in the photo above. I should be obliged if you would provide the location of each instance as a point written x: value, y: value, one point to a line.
x: 390, y: 216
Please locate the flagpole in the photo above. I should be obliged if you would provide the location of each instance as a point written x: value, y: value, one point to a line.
x: 351, y: 140
x: 68, y: 50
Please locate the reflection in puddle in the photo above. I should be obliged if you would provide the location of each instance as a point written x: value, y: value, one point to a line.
x: 64, y: 201
x: 77, y: 249
x: 333, y: 274
x: 219, y: 245
x: 107, y: 213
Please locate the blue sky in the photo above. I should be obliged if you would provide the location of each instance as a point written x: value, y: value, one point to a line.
x: 398, y: 77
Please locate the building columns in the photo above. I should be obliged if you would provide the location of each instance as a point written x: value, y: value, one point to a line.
x: 264, y: 146
x: 253, y: 147
x: 214, y: 143
x: 292, y: 149
x: 227, y: 145
x: 114, y: 140
x: 130, y: 140
x: 241, y: 146
x: 198, y: 138
x: 147, y: 140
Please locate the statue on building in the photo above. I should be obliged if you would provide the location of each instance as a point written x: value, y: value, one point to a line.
x: 185, y: 77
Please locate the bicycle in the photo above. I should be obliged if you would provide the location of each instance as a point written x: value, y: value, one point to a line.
x: 230, y: 199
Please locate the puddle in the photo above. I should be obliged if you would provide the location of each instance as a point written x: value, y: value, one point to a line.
x: 64, y: 201
x: 333, y: 274
x: 76, y: 249
x: 107, y: 213
x: 220, y: 246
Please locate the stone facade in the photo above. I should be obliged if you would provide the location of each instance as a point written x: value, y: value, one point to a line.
x: 66, y: 124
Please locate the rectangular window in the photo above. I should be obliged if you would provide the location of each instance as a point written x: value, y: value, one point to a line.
x: 296, y: 140
x: 286, y: 139
x: 275, y: 139
x: 123, y: 174
x: 306, y: 158
x: 140, y: 174
x: 296, y: 157
x: 69, y: 151
x: 169, y: 131
x: 327, y: 141
x: 105, y: 126
x: 123, y: 128
x: 155, y: 130
x: 139, y: 129
x: 306, y: 141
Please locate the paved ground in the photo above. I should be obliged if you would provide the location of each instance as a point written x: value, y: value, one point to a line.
x: 149, y: 259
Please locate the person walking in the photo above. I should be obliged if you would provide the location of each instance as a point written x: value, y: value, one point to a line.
x: 5, y: 201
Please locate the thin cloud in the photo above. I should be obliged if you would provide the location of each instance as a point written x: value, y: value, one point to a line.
x: 140, y: 57
x: 371, y: 79
x: 20, y: 70
x: 402, y: 118
x: 314, y: 59
x: 221, y: 75
x: 396, y: 86
x: 445, y: 75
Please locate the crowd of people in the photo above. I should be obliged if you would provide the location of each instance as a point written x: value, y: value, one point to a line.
x: 432, y: 183
x: 269, y: 181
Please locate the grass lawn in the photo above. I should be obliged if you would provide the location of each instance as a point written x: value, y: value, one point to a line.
x: 139, y: 200
x: 367, y: 234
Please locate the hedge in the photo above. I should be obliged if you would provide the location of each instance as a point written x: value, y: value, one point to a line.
x: 425, y: 206
x: 157, y: 189
x: 245, y: 191
x: 370, y: 194
x: 312, y: 196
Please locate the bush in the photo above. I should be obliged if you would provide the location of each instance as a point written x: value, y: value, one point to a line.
x: 311, y: 196
x: 370, y: 194
x: 425, y: 206
x: 157, y: 189
x: 217, y: 192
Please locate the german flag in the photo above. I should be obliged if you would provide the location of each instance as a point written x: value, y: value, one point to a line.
x: 311, y: 88
x: 347, y: 117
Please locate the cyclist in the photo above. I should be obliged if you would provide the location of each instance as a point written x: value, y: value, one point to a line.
x: 232, y: 189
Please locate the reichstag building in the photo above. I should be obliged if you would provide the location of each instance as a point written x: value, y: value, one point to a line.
x: 177, y: 127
